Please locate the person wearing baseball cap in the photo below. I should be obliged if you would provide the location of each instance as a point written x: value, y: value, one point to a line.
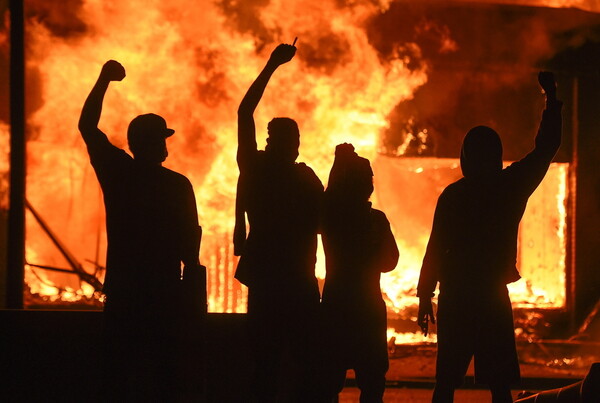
x: 152, y: 228
x: 146, y: 136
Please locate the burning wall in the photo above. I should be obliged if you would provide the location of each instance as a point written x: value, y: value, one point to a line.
x: 382, y: 75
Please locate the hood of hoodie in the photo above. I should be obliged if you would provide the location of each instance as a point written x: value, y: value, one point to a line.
x: 481, y: 153
x: 351, y: 177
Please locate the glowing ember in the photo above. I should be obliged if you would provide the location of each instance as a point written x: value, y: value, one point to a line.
x: 410, y: 337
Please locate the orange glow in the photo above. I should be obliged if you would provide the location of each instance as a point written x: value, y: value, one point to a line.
x: 407, y: 190
x: 588, y: 5
x: 187, y: 65
x: 191, y: 66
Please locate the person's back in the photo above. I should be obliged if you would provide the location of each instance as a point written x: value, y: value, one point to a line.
x: 479, y: 215
x: 359, y: 246
x: 472, y: 253
x: 152, y: 228
x: 281, y: 199
x: 282, y: 203
x: 149, y: 220
x: 354, y: 244
x: 481, y: 222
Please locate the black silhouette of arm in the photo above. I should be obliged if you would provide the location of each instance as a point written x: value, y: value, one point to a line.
x: 429, y: 276
x: 247, y: 136
x: 432, y: 261
x: 239, y: 230
x: 192, y: 232
x: 246, y: 128
x: 92, y: 108
x: 549, y: 133
x: 388, y: 254
x: 534, y: 166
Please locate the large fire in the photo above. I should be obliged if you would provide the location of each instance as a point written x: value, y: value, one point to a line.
x: 193, y: 65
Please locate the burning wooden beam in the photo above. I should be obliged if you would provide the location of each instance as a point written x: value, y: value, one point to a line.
x: 76, y: 267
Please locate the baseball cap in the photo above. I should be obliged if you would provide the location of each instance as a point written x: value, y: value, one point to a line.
x: 147, y: 124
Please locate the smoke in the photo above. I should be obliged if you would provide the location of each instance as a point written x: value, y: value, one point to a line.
x: 483, y: 60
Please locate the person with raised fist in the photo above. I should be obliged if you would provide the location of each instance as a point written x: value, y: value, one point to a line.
x: 152, y: 229
x: 472, y: 253
x: 281, y: 200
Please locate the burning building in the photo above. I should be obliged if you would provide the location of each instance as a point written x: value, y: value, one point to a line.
x: 401, y: 81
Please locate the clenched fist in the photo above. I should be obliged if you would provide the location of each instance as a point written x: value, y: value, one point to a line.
x: 282, y: 54
x: 112, y: 71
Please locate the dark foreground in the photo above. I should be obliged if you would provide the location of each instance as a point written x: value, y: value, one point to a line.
x: 55, y: 356
x: 411, y: 395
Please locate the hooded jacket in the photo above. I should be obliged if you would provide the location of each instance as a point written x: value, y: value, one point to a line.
x: 473, y: 242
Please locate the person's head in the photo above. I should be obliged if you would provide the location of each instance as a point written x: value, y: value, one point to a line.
x: 351, y: 177
x: 283, y: 140
x: 147, y: 136
x: 481, y: 154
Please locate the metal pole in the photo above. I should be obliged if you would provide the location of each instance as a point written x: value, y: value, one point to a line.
x: 571, y: 282
x: 16, y: 214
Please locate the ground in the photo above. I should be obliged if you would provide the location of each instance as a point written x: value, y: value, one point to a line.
x: 411, y: 395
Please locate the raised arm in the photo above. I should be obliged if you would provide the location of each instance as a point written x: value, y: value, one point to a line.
x: 92, y: 108
x: 530, y: 170
x: 246, y: 129
x: 388, y: 254
x: 548, y: 138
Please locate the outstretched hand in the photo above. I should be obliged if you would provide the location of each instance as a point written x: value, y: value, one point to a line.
x: 425, y: 315
x: 282, y: 54
x: 547, y: 82
x: 112, y: 71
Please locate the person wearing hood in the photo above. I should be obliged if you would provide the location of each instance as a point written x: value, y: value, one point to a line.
x: 359, y: 246
x: 472, y: 253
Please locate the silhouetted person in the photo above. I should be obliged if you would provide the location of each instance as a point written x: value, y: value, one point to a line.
x: 152, y: 227
x: 281, y: 199
x: 472, y: 253
x: 359, y: 246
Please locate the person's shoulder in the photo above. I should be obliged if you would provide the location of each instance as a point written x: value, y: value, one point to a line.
x: 176, y: 176
x: 378, y: 215
x: 120, y: 153
x: 307, y: 172
x: 455, y: 190
x: 305, y: 169
x: 454, y: 187
x: 109, y: 155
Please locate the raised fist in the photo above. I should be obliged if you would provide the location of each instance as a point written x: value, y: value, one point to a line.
x: 282, y: 54
x: 546, y: 80
x: 113, y: 71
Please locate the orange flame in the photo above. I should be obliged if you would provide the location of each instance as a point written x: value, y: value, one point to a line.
x: 193, y: 66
